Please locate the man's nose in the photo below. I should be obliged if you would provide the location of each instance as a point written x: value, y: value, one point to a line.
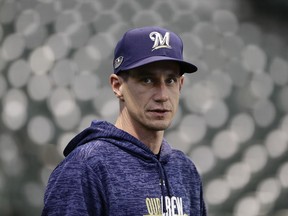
x: 161, y: 92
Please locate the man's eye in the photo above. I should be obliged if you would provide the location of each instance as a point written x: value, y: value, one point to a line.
x: 147, y: 80
x: 172, y: 80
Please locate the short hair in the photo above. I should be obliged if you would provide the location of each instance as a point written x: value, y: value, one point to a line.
x: 124, y: 74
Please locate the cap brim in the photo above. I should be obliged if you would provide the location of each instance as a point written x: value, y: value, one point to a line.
x: 185, y: 67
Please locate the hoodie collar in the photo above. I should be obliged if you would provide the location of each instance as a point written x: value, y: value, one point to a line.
x: 103, y: 130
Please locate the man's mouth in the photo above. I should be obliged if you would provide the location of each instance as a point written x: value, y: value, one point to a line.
x: 159, y: 110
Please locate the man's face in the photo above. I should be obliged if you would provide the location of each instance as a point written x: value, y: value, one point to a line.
x: 151, y: 95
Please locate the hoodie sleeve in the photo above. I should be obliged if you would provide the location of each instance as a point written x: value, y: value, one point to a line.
x: 202, y: 204
x: 197, y: 188
x: 74, y: 189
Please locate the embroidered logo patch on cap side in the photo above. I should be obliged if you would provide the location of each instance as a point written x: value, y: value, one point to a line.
x: 160, y: 41
x: 118, y: 61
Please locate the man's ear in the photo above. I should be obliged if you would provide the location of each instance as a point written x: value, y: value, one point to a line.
x: 181, y: 82
x: 116, y: 84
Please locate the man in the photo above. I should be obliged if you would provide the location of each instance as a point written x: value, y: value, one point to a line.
x: 128, y: 168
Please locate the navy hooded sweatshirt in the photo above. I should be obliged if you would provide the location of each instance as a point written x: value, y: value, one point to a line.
x: 109, y: 172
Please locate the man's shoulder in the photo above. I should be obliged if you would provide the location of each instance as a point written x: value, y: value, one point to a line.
x: 180, y: 157
x: 182, y: 163
x: 180, y: 154
x: 94, y: 150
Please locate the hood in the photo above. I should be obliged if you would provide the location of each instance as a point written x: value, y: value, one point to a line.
x: 102, y: 130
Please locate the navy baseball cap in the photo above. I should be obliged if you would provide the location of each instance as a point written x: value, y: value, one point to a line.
x: 145, y: 45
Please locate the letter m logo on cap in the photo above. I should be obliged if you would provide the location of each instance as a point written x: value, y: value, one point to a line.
x: 160, y: 41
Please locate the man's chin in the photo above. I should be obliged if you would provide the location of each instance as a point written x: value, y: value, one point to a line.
x: 159, y: 126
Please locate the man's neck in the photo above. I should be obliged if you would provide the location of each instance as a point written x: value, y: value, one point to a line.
x: 152, y: 139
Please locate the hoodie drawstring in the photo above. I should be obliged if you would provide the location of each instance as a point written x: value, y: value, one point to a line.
x: 163, y: 183
x: 167, y: 184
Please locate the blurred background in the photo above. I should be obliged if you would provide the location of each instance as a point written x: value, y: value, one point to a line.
x: 55, y: 60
